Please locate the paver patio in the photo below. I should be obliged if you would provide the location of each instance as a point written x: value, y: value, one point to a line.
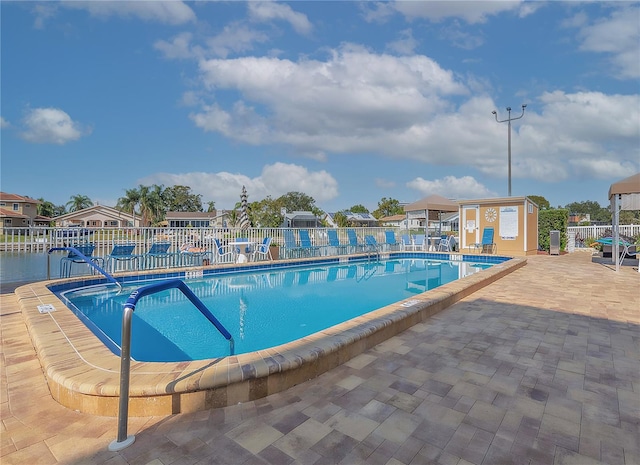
x: 540, y: 367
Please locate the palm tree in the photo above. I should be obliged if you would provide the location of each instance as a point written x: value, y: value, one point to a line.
x: 78, y: 202
x: 129, y: 202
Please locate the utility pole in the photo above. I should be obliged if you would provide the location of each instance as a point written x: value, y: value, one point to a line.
x: 509, y: 119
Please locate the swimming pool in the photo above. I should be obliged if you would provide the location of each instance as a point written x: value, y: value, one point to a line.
x: 84, y: 375
x: 260, y: 309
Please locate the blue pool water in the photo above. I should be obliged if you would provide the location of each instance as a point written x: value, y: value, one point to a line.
x: 261, y: 309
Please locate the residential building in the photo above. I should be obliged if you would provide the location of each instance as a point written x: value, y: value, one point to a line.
x: 99, y: 216
x: 17, y: 211
x: 214, y: 219
x: 354, y: 219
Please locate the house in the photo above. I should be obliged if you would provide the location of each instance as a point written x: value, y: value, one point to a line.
x: 214, y: 219
x: 299, y: 219
x: 99, y: 216
x: 17, y: 211
x: 354, y: 219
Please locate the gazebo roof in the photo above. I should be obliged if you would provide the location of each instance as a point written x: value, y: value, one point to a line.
x: 630, y: 185
x: 434, y: 203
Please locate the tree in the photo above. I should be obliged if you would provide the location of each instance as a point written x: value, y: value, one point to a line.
x: 265, y: 213
x: 129, y: 202
x: 78, y: 202
x: 388, y: 207
x: 46, y: 208
x: 592, y: 208
x: 211, y: 206
x: 541, y: 202
x: 359, y: 209
x: 296, y: 201
x: 341, y: 220
x: 180, y: 199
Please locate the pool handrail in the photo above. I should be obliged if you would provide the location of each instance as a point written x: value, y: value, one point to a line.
x: 123, y: 440
x: 84, y: 258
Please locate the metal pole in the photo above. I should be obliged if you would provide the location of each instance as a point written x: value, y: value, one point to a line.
x: 123, y: 440
x: 508, y: 120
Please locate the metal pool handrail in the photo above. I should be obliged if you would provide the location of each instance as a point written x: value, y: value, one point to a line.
x: 123, y: 440
x: 84, y: 258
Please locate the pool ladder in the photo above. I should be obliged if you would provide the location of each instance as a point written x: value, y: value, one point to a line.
x: 123, y: 440
x: 85, y: 259
x: 372, y: 248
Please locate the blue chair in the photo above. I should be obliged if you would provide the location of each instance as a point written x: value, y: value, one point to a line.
x: 371, y: 244
x: 405, y: 242
x: 334, y: 242
x: 354, y: 244
x: 122, y: 253
x: 419, y: 241
x: 305, y: 244
x: 390, y: 241
x: 262, y: 250
x: 291, y: 247
x: 487, y: 244
x: 158, y: 251
x: 224, y: 254
x: 86, y: 250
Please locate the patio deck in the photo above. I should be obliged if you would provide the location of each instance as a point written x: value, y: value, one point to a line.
x: 540, y: 367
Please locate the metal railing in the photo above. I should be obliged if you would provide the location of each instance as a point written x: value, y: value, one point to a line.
x: 87, y: 260
x: 123, y: 440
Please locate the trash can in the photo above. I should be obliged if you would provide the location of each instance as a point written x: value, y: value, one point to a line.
x: 554, y: 242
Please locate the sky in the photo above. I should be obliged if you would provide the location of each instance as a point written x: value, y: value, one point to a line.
x: 348, y: 102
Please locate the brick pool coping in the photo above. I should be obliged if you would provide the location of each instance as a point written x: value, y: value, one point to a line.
x: 83, y: 374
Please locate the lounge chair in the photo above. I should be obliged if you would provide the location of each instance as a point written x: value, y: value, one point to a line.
x: 193, y: 255
x: 334, y: 242
x: 291, y: 248
x: 262, y: 250
x: 405, y: 242
x: 390, y: 242
x: 625, y: 248
x: 487, y: 244
x: 86, y: 250
x: 354, y: 244
x: 158, y: 251
x: 122, y: 253
x: 371, y: 243
x: 305, y: 244
x: 222, y: 252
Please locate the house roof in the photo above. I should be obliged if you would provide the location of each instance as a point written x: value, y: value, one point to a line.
x: 6, y: 197
x: 433, y: 202
x: 5, y: 213
x: 393, y: 218
x: 102, y: 209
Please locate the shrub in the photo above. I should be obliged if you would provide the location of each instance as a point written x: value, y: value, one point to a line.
x: 550, y: 220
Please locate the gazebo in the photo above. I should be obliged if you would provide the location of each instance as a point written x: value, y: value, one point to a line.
x: 623, y: 195
x: 433, y: 202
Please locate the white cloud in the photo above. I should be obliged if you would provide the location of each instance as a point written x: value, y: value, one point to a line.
x: 50, y: 126
x: 451, y: 187
x: 618, y: 36
x: 275, y: 180
x: 168, y: 11
x: 179, y: 47
x: 469, y: 11
x: 265, y: 11
x: 405, y: 45
x: 4, y: 123
x: 410, y: 108
x: 234, y: 38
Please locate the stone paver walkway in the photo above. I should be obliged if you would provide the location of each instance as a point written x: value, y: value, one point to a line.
x: 541, y: 367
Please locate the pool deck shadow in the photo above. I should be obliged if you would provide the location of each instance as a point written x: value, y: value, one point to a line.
x: 541, y: 366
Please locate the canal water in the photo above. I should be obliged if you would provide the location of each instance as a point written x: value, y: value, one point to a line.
x: 18, y: 268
